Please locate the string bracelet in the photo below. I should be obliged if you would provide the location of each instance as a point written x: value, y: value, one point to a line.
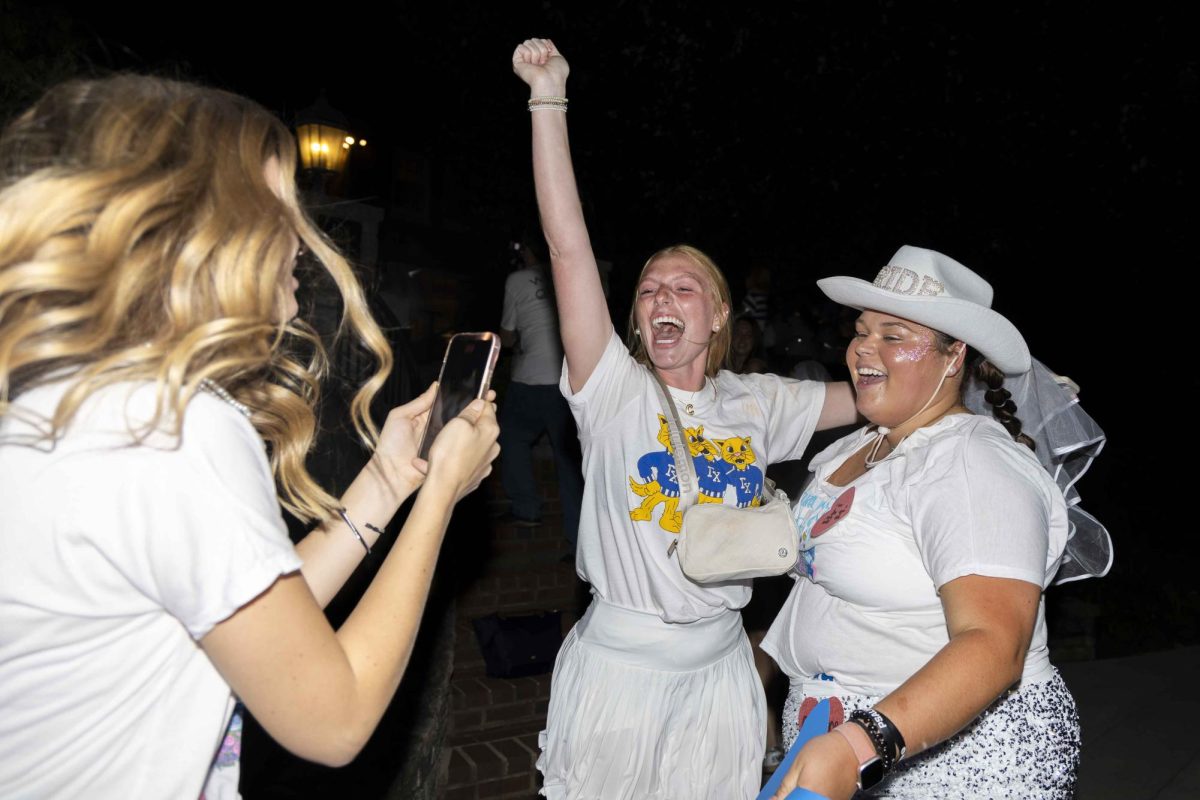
x: 346, y: 518
x: 549, y: 103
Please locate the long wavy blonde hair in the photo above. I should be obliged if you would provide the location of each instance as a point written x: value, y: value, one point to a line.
x: 140, y: 241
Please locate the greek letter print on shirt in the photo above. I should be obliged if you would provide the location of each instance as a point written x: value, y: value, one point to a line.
x: 721, y: 465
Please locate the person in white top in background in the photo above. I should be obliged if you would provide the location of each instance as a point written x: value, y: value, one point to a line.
x: 156, y: 408
x: 532, y: 404
x: 654, y: 693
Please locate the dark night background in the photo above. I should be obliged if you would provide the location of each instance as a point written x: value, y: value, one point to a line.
x: 1049, y: 146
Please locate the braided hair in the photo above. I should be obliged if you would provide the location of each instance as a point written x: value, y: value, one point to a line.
x: 1003, y: 408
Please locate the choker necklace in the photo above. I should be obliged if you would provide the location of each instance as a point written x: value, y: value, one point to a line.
x: 689, y: 407
x: 217, y: 390
x: 881, y: 434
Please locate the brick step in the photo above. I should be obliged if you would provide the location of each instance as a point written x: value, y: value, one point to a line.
x: 547, y: 586
x: 544, y: 560
x: 495, y: 765
x: 479, y: 703
x: 544, y: 478
x: 498, y: 503
x: 508, y: 539
x: 468, y: 658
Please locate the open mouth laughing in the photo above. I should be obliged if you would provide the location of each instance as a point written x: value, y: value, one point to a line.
x: 869, y: 376
x: 668, y: 329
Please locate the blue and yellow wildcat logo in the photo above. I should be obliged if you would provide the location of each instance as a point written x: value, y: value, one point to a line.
x: 719, y: 464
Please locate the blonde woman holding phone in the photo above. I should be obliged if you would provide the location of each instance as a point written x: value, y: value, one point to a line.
x: 156, y: 408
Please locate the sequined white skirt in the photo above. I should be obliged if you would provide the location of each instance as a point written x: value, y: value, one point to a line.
x: 641, y: 709
x: 1025, y: 745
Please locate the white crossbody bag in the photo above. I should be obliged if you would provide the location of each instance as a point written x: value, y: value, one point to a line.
x: 720, y: 542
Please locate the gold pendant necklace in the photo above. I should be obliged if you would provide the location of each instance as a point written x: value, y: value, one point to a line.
x: 689, y: 405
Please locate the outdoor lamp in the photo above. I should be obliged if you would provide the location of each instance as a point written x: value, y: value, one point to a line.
x: 323, y: 137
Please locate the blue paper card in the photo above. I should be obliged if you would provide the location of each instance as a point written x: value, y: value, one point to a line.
x: 816, y: 725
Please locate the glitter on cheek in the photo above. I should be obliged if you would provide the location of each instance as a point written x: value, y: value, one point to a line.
x: 913, y: 353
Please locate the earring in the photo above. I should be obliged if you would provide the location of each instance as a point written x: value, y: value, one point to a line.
x: 954, y: 369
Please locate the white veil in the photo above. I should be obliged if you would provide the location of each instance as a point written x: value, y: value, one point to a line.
x: 1068, y: 440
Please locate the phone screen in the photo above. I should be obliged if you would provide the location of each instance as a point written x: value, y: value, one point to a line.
x: 466, y: 374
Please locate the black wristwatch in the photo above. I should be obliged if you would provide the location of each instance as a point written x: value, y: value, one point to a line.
x: 870, y: 765
x: 870, y: 773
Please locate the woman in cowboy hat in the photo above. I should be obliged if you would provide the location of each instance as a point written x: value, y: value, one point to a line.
x: 927, y: 539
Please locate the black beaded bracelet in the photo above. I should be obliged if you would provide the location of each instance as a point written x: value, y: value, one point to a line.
x: 892, y: 734
x: 889, y: 742
x: 868, y: 726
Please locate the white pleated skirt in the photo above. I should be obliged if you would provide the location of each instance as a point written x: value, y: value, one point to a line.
x: 641, y: 709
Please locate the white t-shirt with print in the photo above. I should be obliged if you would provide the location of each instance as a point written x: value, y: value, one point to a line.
x: 959, y: 497
x: 115, y: 559
x: 749, y: 421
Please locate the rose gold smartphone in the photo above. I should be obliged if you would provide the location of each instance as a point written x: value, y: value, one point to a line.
x: 466, y: 375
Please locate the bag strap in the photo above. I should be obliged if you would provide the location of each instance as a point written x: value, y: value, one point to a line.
x: 689, y: 490
x: 684, y: 469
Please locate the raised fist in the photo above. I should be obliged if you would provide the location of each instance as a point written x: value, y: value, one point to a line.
x: 539, y: 64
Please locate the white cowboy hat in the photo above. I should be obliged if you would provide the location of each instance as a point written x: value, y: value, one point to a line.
x: 938, y: 292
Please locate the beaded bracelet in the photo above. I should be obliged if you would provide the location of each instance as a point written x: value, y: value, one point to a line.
x: 888, y: 741
x: 891, y: 734
x: 556, y: 103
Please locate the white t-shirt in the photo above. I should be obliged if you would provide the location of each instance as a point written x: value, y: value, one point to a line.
x: 960, y: 497
x: 115, y: 558
x: 529, y: 310
x: 752, y: 421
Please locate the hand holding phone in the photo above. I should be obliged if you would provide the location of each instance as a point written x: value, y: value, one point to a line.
x: 466, y: 374
x: 462, y: 454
